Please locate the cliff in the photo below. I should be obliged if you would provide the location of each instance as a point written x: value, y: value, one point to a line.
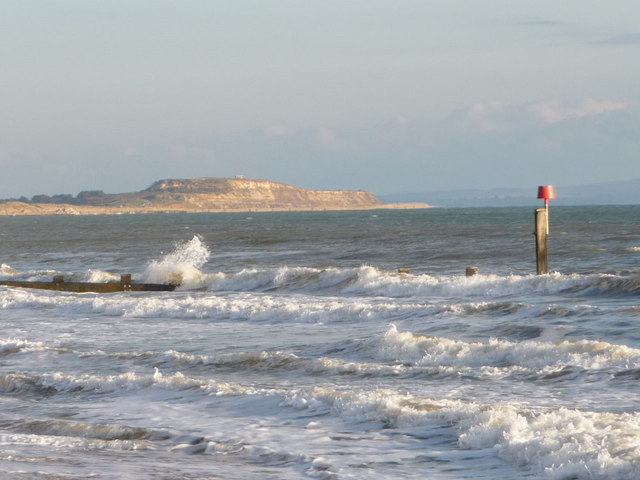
x: 210, y: 195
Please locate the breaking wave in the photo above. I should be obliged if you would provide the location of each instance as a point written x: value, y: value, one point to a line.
x: 554, y: 442
x: 558, y: 443
x: 7, y: 270
x: 370, y: 281
x: 184, y: 266
x: 181, y: 266
x: 424, y: 350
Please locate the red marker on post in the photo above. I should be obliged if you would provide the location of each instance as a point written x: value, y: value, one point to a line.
x: 546, y: 192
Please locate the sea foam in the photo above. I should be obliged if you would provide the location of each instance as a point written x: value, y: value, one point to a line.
x: 557, y: 443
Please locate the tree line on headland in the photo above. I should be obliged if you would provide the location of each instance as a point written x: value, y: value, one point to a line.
x: 80, y: 199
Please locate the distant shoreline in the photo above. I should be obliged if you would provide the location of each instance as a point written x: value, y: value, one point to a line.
x: 21, y: 209
x: 197, y: 195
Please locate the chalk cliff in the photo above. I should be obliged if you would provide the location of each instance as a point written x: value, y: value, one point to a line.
x: 211, y: 195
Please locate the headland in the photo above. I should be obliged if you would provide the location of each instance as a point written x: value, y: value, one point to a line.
x: 210, y: 194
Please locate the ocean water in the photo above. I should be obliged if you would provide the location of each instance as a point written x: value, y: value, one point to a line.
x: 295, y: 349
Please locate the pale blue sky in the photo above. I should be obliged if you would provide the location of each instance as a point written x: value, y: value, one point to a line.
x: 387, y: 96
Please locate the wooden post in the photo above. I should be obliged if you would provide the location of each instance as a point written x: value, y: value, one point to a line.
x: 471, y: 271
x: 541, y: 234
x: 125, y: 281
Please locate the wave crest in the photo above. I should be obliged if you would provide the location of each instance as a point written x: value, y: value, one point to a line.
x: 424, y: 350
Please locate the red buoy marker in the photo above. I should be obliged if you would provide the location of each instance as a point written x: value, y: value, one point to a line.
x: 546, y: 192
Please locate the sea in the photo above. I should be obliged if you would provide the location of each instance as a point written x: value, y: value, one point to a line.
x: 323, y: 345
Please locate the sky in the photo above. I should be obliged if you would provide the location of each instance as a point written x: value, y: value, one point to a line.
x: 387, y: 96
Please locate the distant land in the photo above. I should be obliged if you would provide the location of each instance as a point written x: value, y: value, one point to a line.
x: 607, y: 193
x: 201, y: 195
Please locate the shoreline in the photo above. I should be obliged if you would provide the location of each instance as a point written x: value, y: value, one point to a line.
x: 21, y: 209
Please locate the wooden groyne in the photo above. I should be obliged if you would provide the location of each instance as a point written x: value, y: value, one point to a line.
x: 125, y: 285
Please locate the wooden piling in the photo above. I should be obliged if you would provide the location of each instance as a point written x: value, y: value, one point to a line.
x: 125, y: 281
x: 541, y: 233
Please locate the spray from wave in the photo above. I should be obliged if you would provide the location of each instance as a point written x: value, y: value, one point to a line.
x: 7, y: 270
x: 101, y: 276
x: 181, y: 266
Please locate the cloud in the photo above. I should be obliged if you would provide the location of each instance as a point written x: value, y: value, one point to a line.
x: 549, y: 112
x: 539, y: 23
x: 279, y: 131
x: 496, y: 118
x: 330, y: 139
x: 129, y: 151
x: 186, y: 152
x: 484, y: 118
x: 624, y: 39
